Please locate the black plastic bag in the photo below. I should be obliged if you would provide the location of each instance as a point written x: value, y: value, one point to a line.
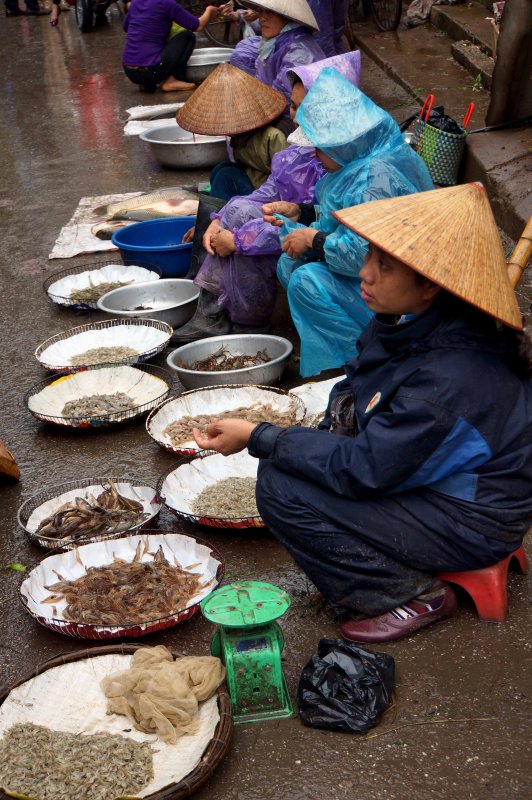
x: 439, y: 119
x: 345, y: 688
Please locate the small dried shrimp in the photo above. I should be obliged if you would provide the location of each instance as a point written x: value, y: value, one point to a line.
x: 103, y: 355
x: 230, y: 498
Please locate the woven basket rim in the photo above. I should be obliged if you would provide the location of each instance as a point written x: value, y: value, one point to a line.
x: 187, y: 451
x: 114, y: 416
x: 211, y: 758
x: 121, y: 629
x: 193, y: 518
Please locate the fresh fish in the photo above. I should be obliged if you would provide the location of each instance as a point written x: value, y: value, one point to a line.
x: 174, y: 202
x: 105, y: 230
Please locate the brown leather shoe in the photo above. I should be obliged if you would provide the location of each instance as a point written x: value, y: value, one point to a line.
x: 435, y: 605
x: 8, y: 465
x: 177, y: 86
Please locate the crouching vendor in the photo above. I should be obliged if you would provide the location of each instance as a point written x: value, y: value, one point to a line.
x: 424, y: 460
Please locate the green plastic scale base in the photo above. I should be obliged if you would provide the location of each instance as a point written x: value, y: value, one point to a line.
x: 249, y: 643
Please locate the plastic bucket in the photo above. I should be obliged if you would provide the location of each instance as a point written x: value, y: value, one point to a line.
x: 159, y: 242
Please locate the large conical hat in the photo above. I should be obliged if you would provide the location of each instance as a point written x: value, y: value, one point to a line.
x: 295, y: 10
x: 447, y: 235
x: 228, y: 102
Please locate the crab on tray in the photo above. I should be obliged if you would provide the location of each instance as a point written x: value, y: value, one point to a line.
x: 113, y: 341
x: 50, y: 524
x: 168, y: 425
x: 180, y: 488
x: 124, y: 587
x: 72, y: 400
x: 81, y: 287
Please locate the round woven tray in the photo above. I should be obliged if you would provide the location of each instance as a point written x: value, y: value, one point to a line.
x: 92, y: 266
x: 212, y: 522
x: 213, y: 755
x: 106, y: 326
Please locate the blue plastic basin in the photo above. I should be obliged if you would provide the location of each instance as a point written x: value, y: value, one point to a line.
x: 159, y: 242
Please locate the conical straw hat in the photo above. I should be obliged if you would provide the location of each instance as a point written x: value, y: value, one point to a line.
x: 295, y: 10
x: 447, y: 235
x: 230, y: 101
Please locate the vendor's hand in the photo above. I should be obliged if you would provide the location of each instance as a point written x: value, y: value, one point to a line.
x: 226, y: 436
x: 211, y: 231
x: 188, y: 236
x: 298, y: 242
x: 283, y: 207
x: 250, y: 16
x: 223, y: 243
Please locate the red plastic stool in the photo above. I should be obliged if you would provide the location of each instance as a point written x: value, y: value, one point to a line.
x: 487, y: 587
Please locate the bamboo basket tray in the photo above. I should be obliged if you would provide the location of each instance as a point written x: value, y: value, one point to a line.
x: 214, y: 753
x: 149, y: 336
x: 179, y: 486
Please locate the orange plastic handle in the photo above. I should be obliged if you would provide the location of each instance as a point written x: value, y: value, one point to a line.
x: 468, y: 115
x: 427, y: 105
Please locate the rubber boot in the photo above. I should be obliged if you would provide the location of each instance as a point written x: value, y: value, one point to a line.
x: 209, y: 320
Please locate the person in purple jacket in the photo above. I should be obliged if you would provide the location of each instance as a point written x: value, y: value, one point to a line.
x: 238, y: 276
x: 330, y: 16
x: 149, y: 58
x: 286, y: 40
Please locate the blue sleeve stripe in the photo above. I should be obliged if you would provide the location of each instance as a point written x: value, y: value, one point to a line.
x: 462, y: 450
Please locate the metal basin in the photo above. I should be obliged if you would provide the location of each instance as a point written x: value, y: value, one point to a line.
x: 204, y: 60
x: 174, y: 147
x: 173, y: 301
x: 278, y: 348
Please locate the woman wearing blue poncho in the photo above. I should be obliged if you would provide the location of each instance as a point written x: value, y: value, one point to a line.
x: 367, y: 159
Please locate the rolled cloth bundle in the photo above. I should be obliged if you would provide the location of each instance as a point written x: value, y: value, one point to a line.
x: 160, y: 695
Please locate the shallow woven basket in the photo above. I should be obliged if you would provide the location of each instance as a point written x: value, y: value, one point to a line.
x: 212, y: 522
x: 103, y: 420
x: 49, y: 492
x: 130, y: 630
x: 213, y: 755
x: 189, y: 451
x: 105, y: 325
x: 92, y: 266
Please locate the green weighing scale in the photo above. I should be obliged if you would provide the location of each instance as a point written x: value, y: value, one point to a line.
x: 249, y: 644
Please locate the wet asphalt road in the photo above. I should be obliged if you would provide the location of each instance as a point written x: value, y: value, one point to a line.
x: 459, y: 726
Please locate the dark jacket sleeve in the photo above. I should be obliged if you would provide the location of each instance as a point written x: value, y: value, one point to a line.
x: 410, y: 445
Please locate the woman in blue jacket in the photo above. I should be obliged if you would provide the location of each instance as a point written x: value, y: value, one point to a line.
x: 423, y: 462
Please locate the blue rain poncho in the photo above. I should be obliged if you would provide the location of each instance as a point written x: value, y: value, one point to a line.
x: 375, y: 162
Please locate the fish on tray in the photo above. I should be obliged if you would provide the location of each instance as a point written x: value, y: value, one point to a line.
x: 173, y: 202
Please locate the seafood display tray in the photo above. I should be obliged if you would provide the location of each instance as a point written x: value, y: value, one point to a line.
x: 150, y: 336
x: 74, y: 563
x: 102, y: 270
x: 50, y: 498
x: 150, y: 384
x: 211, y: 401
x: 179, y: 486
x: 45, y: 688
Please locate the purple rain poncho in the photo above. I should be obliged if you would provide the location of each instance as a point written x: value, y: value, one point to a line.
x: 296, y: 46
x: 330, y: 16
x: 246, y: 286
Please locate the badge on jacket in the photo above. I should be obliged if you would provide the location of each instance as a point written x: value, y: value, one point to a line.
x: 373, y: 402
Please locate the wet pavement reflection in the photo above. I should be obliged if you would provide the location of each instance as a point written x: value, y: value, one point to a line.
x: 64, y: 98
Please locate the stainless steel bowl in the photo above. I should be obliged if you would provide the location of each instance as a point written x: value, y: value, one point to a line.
x: 174, y: 147
x: 204, y: 60
x: 172, y: 300
x: 278, y: 348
